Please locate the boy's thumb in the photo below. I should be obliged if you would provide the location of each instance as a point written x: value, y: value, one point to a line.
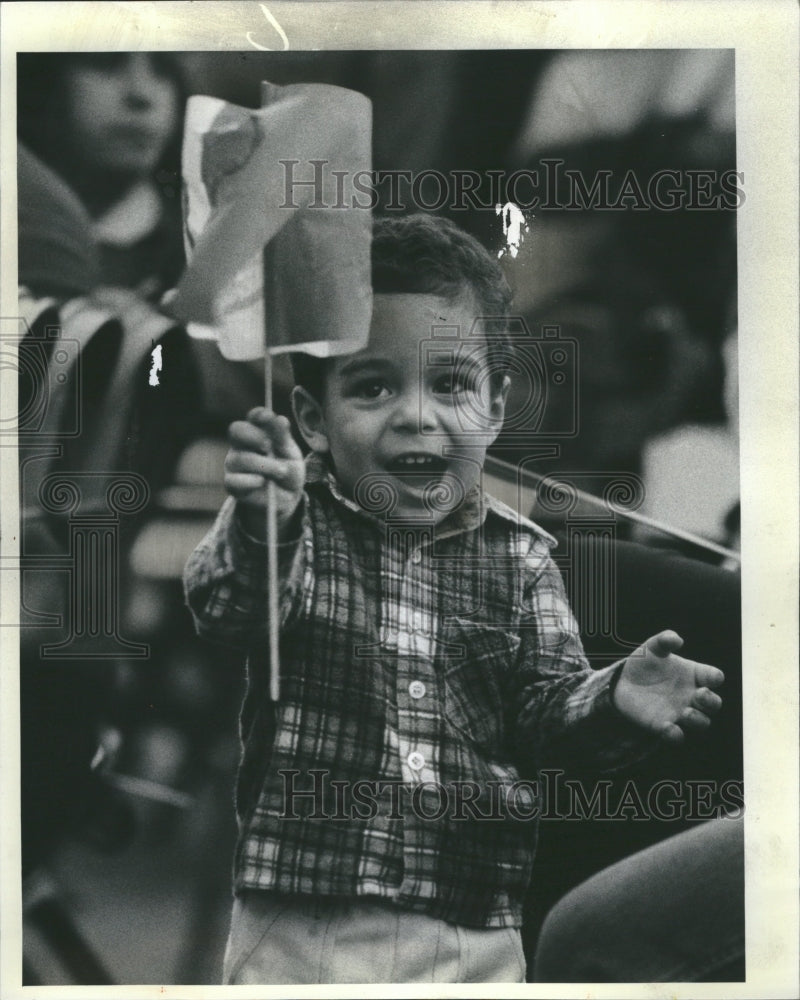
x: 665, y: 643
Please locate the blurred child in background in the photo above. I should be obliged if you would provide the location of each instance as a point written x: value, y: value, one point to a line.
x: 109, y: 124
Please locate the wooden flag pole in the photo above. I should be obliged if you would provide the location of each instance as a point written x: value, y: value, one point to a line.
x: 273, y: 612
x: 272, y: 554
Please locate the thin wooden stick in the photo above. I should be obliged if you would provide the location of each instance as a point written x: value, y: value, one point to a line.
x: 272, y: 556
x: 273, y: 618
x: 528, y: 478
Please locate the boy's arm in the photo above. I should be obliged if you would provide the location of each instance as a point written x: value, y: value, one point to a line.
x: 225, y: 580
x: 566, y: 712
x: 225, y: 577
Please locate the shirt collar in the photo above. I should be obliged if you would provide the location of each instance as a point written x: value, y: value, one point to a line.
x: 471, y: 514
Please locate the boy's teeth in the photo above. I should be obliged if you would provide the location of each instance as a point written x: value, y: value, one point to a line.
x: 414, y: 460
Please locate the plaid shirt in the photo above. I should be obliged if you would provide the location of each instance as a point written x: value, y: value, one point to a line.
x: 423, y: 671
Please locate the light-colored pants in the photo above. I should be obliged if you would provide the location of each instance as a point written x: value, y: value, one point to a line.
x: 283, y: 939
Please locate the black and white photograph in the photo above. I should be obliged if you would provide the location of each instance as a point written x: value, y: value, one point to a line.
x: 399, y: 450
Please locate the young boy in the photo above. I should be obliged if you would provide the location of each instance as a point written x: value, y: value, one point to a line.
x: 428, y: 655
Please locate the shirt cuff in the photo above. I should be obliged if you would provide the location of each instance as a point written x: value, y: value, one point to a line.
x: 608, y: 740
x: 293, y: 557
x: 246, y: 543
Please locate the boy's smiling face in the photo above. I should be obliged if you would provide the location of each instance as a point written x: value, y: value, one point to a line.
x: 411, y: 410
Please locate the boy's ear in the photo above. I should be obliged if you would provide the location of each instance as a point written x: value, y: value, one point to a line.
x: 310, y: 419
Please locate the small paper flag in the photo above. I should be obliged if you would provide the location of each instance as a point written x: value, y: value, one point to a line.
x: 244, y: 174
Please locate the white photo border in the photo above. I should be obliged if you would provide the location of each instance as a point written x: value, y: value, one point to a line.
x: 765, y: 39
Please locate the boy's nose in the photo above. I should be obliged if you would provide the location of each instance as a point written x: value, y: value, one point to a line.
x: 415, y: 413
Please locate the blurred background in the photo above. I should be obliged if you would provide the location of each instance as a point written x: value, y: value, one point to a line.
x: 129, y: 736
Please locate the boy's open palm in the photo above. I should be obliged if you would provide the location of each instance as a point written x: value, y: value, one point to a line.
x: 666, y: 693
x: 262, y: 449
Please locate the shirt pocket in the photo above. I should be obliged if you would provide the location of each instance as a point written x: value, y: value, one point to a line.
x: 476, y: 661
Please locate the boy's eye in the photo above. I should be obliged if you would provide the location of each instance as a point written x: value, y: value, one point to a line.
x: 371, y: 388
x: 453, y: 384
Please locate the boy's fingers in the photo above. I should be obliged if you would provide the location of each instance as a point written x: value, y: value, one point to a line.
x: 243, y: 434
x: 673, y: 733
x: 280, y: 470
x: 248, y: 461
x: 708, y: 676
x: 692, y: 718
x: 706, y: 701
x: 259, y: 415
x: 284, y: 473
x: 665, y: 643
x: 283, y: 441
x: 278, y: 430
x: 239, y: 484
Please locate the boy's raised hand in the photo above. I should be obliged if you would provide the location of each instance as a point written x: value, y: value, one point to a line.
x: 262, y: 448
x: 664, y: 692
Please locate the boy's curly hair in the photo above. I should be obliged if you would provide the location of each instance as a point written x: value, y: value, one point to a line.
x: 427, y: 254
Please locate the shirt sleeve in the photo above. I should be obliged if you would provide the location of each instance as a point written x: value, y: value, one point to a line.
x: 564, y: 709
x: 225, y: 579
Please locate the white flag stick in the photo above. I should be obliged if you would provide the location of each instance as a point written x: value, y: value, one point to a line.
x: 273, y: 614
x: 272, y: 556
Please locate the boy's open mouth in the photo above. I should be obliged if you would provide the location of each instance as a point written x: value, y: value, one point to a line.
x: 417, y: 462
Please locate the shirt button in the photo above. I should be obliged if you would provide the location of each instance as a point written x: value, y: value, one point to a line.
x: 416, y: 761
x: 416, y: 689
